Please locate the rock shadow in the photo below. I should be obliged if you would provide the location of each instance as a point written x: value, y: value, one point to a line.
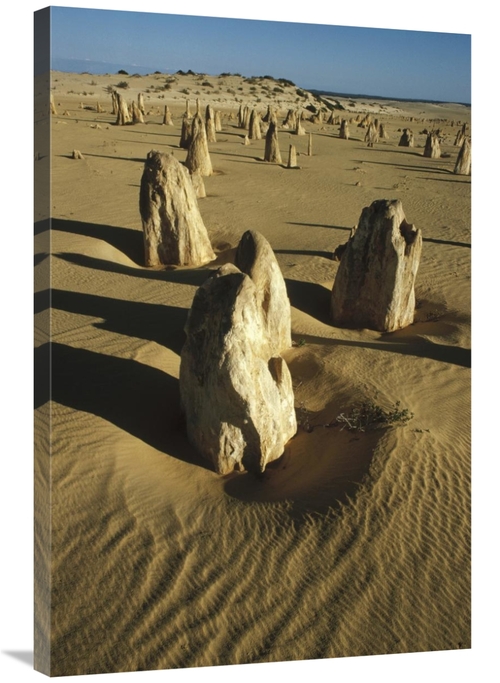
x: 320, y: 225
x: 139, y: 399
x: 320, y: 470
x: 153, y: 322
x: 311, y: 298
x: 184, y: 276
x: 126, y: 240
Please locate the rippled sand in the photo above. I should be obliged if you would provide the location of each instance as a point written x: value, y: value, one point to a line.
x: 351, y: 544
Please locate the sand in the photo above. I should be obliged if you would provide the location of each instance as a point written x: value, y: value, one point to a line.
x: 352, y: 543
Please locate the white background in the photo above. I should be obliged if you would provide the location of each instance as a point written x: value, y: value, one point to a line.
x: 16, y: 338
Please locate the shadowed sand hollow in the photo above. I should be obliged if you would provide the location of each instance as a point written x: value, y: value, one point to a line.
x: 349, y: 544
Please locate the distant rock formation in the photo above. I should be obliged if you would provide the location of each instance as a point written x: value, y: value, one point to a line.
x: 299, y: 128
x: 432, y: 148
x: 292, y: 157
x: 140, y: 103
x: 372, y: 134
x: 123, y: 115
x: 255, y: 257
x: 374, y: 285
x: 167, y: 117
x: 272, y: 150
x: 463, y: 164
x: 344, y: 130
x: 198, y: 156
x: 186, y: 136
x: 254, y: 132
x: 268, y: 115
x: 173, y: 229
x: 460, y: 137
x: 310, y: 145
x: 236, y: 396
x: 218, y: 122
x: 210, y: 124
x: 137, y: 116
x: 290, y: 120
x: 406, y: 139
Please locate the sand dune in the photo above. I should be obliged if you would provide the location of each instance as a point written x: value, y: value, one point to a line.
x: 351, y: 543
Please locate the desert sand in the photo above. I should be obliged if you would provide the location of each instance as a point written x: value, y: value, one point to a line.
x: 351, y: 543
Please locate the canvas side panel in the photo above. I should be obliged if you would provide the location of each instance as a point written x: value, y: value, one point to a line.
x: 42, y: 341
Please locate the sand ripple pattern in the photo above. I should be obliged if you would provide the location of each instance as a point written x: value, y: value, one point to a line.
x: 351, y: 544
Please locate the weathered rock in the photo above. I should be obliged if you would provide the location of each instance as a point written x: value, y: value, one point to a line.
x: 374, y: 285
x: 365, y: 121
x: 406, y: 139
x: 463, y: 164
x: 460, y: 137
x: 299, y: 128
x: 272, y: 149
x: 344, y: 130
x: 198, y: 156
x: 310, y: 145
x: 174, y: 232
x: 167, y: 117
x: 290, y: 120
x: 254, y: 126
x: 246, y: 117
x: 137, y: 116
x: 53, y: 109
x: 210, y: 124
x: 432, y: 148
x: 372, y: 135
x: 123, y: 115
x: 268, y: 115
x: 198, y: 184
x: 140, y: 103
x: 218, y: 122
x: 255, y: 257
x: 292, y: 157
x: 237, y: 398
x: 186, y: 135
x: 383, y: 132
x: 77, y: 154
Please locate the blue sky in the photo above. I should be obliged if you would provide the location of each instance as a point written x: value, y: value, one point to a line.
x: 372, y: 61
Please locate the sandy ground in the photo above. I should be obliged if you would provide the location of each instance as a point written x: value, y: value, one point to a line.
x: 352, y: 543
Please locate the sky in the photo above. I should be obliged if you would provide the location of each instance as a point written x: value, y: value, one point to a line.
x: 344, y: 59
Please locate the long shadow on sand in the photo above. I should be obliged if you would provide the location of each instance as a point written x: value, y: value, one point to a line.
x: 450, y: 242
x: 411, y: 346
x: 305, y: 252
x: 408, y: 167
x: 311, y: 298
x: 320, y: 225
x: 181, y: 276
x: 153, y: 322
x: 137, y: 398
x: 140, y: 160
x: 130, y: 242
